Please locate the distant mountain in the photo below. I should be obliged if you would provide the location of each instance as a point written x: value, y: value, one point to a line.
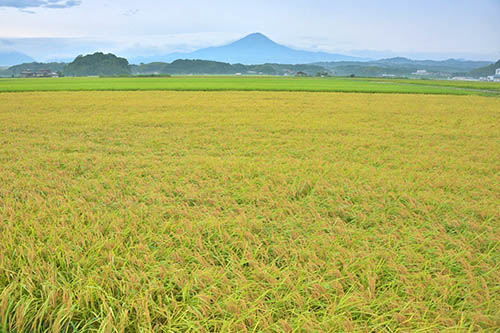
x: 9, y: 58
x: 403, y: 67
x: 448, y: 65
x: 486, y: 70
x: 253, y: 49
x: 98, y: 64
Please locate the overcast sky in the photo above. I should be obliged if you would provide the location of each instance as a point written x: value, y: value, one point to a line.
x: 48, y: 29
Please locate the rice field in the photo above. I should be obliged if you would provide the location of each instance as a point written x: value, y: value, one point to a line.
x: 252, y: 83
x: 165, y: 211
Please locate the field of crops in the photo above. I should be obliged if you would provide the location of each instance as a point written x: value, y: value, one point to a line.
x: 478, y: 85
x: 248, y: 83
x: 247, y: 211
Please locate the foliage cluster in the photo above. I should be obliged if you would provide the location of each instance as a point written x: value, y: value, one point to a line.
x: 98, y: 64
x: 486, y: 70
x: 180, y: 67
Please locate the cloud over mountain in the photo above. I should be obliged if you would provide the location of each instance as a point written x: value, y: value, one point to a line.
x: 23, y: 4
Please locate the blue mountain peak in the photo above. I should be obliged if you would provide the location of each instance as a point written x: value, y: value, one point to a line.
x: 254, y: 39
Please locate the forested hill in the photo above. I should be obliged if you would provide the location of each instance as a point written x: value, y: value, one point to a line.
x: 98, y: 64
x: 486, y: 70
x: 185, y: 66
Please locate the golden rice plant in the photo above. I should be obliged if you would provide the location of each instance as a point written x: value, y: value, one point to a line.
x: 248, y: 211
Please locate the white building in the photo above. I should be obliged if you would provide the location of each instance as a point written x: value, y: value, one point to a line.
x: 421, y: 72
x: 497, y: 73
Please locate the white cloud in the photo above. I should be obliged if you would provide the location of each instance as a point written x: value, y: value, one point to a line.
x: 23, y: 4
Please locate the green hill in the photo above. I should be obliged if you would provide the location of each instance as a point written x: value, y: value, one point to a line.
x: 98, y: 64
x: 486, y: 70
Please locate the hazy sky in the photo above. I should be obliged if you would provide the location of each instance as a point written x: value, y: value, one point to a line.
x: 439, y: 29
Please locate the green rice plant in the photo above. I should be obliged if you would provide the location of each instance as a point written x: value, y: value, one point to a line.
x: 259, y: 83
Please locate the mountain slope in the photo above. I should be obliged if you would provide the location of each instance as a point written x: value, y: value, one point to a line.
x: 10, y: 58
x: 486, y: 70
x: 255, y: 49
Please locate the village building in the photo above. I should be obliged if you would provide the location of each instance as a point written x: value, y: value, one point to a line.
x: 28, y: 73
x: 421, y: 72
